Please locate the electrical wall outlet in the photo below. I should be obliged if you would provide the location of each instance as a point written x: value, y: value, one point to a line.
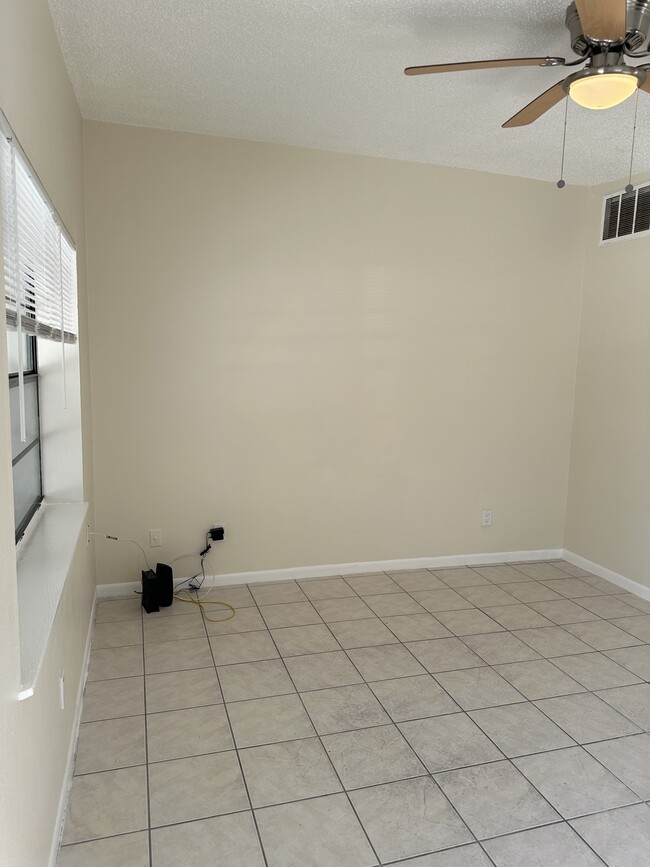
x: 217, y: 532
x: 486, y: 518
x: 62, y: 691
x: 155, y: 538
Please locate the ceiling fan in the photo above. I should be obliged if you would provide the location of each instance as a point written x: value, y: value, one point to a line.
x: 603, y: 33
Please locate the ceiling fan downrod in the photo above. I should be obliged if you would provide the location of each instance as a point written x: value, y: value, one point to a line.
x: 631, y: 38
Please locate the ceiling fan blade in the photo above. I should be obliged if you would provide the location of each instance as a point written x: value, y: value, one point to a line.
x: 485, y: 64
x: 603, y: 19
x: 537, y: 107
x: 646, y: 84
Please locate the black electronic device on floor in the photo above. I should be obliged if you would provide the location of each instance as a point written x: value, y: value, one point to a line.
x: 165, y: 583
x: 157, y: 588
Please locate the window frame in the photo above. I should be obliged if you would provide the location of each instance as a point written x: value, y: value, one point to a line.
x: 40, y: 290
x: 30, y: 375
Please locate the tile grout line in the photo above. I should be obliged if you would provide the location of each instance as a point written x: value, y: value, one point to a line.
x: 413, y: 858
x: 430, y: 775
x: 234, y: 744
x: 576, y: 744
x: 572, y: 655
x: 609, y: 810
x: 426, y: 773
x: 322, y: 746
x: 512, y: 764
x: 596, y: 621
x: 505, y: 631
x: 426, y: 671
x: 109, y: 770
x: 581, y: 745
x: 146, y: 742
x: 392, y: 724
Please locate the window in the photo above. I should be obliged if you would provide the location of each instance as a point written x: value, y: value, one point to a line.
x: 40, y: 303
x: 25, y: 456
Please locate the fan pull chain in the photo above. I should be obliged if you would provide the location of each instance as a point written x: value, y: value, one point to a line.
x: 562, y: 183
x: 629, y: 188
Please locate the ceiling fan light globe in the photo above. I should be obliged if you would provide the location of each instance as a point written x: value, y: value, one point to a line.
x: 603, y: 91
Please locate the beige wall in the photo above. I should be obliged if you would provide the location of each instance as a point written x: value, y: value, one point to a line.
x: 608, y: 512
x: 341, y: 358
x: 37, y: 98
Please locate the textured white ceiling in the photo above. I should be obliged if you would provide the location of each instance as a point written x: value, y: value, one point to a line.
x: 328, y: 74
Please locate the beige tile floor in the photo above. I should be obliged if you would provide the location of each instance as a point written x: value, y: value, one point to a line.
x: 467, y: 717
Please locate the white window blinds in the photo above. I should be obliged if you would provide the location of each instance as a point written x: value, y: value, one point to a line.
x: 40, y: 268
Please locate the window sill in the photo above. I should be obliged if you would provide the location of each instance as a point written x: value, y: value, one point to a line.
x: 44, y: 558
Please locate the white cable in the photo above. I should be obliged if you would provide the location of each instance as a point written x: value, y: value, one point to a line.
x: 184, y: 557
x: 118, y: 539
x: 181, y: 557
x: 213, y: 576
x: 178, y: 586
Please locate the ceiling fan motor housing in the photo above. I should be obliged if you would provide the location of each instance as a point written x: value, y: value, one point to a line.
x: 637, y: 26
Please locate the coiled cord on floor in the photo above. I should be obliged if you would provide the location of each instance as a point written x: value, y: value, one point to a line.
x: 202, y: 603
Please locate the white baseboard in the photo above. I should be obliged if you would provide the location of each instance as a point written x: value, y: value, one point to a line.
x: 628, y: 584
x: 112, y: 591
x: 69, y: 768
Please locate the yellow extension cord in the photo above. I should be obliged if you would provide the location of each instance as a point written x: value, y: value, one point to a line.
x: 202, y: 605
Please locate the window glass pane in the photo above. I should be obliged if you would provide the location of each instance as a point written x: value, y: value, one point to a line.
x: 31, y: 417
x: 12, y: 352
x: 27, y: 484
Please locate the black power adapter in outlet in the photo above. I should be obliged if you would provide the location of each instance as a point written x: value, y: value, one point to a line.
x: 216, y: 534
